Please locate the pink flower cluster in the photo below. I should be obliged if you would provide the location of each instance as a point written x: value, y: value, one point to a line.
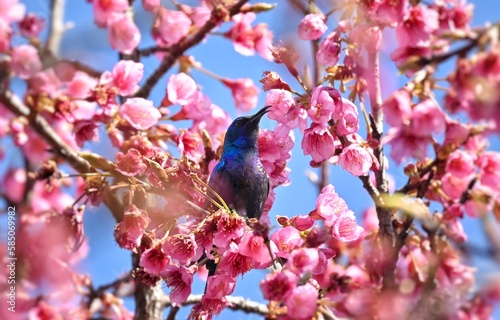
x: 247, y: 39
x: 417, y: 28
x: 474, y: 88
x: 412, y: 125
x: 175, y: 257
x: 182, y: 89
x: 308, y: 255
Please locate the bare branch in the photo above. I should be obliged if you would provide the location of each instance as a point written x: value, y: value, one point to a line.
x: 237, y: 304
x: 56, y: 28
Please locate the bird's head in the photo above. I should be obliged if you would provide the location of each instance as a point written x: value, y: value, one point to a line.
x: 244, y: 131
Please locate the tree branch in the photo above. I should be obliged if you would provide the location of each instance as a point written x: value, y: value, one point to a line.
x: 178, y: 49
x: 56, y: 28
x: 40, y: 125
x: 386, y: 230
x: 148, y: 299
x: 237, y: 304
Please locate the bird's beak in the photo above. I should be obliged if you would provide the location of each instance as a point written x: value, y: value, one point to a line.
x: 256, y: 117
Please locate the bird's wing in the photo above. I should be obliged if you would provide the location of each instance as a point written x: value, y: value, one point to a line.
x: 221, y: 182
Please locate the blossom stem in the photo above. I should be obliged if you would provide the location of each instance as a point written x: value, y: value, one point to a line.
x: 207, y: 72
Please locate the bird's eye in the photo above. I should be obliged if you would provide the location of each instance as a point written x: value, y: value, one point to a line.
x: 239, y: 122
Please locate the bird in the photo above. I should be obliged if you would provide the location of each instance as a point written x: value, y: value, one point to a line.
x: 240, y: 178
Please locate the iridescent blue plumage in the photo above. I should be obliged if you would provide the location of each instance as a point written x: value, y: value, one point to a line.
x: 239, y: 177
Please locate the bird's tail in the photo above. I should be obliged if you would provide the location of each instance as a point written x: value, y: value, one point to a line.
x: 211, y: 266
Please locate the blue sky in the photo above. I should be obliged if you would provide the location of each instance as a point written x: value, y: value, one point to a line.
x: 86, y: 42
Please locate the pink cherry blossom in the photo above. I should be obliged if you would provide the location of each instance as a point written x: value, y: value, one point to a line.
x: 189, y: 143
x: 199, y: 15
x: 128, y: 232
x: 170, y: 26
x: 151, y: 5
x: 80, y: 85
x: 278, y: 286
x: 31, y: 25
x: 85, y: 130
x: 302, y: 222
x: 233, y: 263
x: 404, y: 54
x: 219, y: 286
x: 489, y: 166
x: 245, y: 93
x: 125, y: 76
x: 324, y: 102
x: 140, y: 113
x: 181, y: 89
x: 329, y: 50
x: 253, y: 246
x: 284, y: 109
x: 272, y: 80
x: 199, y: 108
x: 208, y: 308
x: 154, y: 260
x: 5, y: 36
x: 368, y: 36
x: 104, y: 10
x: 25, y: 61
x: 215, y: 124
x: 241, y: 34
x: 14, y: 184
x: 45, y: 81
x: 286, y: 239
x: 312, y: 26
x: 427, y: 118
x: 460, y: 163
x: 182, y: 247
x: 329, y: 205
x: 263, y: 39
x: 477, y: 208
x: 418, y: 26
x: 303, y: 260
x: 131, y: 163
x: 124, y: 36
x: 247, y: 40
x: 356, y: 159
x: 302, y: 302
x: 324, y: 254
x: 12, y: 11
x: 346, y: 228
x: 456, y: 132
x: 455, y: 230
x: 318, y: 142
x: 397, y: 108
x: 229, y: 227
x: 391, y: 12
x: 347, y: 118
x: 180, y: 280
x: 405, y: 144
x: 456, y: 16
x: 274, y: 151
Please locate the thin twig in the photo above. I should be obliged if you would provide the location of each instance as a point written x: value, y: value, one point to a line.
x: 237, y: 303
x: 172, y: 313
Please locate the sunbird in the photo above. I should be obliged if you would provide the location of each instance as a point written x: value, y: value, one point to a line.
x: 239, y: 178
